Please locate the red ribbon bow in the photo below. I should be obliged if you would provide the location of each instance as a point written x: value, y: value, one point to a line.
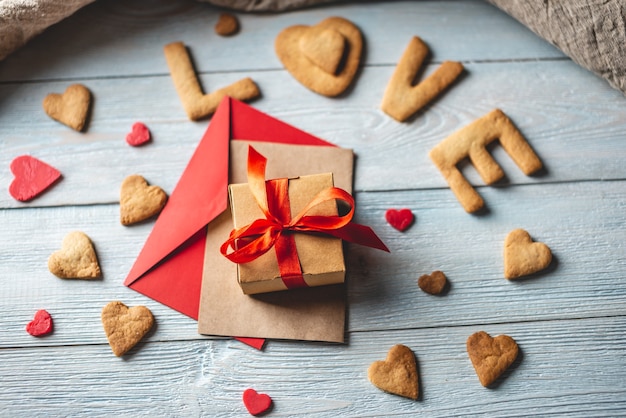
x: 277, y: 227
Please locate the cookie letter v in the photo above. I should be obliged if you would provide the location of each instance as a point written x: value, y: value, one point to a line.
x: 402, y: 99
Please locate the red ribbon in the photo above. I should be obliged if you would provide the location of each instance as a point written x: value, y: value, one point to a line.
x: 277, y: 228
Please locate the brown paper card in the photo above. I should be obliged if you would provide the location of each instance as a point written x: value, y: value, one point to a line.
x: 315, y: 314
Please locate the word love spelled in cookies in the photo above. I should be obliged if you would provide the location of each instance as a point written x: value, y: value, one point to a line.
x: 124, y: 326
x: 522, y: 256
x: 324, y: 57
x: 471, y: 142
x: 139, y: 201
x: 396, y: 374
x: 76, y: 259
x: 402, y: 99
x: 490, y: 356
x: 198, y: 105
x: 71, y: 108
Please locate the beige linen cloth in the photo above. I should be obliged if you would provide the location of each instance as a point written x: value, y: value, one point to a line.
x: 591, y: 32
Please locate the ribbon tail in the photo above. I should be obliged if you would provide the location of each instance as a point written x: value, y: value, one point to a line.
x: 359, y: 234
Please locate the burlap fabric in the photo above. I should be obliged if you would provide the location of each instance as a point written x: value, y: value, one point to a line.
x: 20, y: 20
x: 591, y: 32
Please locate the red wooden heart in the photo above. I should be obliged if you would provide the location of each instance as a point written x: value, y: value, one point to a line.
x: 256, y: 403
x: 139, y: 135
x: 32, y: 177
x: 40, y: 325
x: 400, y: 219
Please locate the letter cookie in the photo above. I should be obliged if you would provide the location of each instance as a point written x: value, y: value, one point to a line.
x: 471, y: 141
x: 197, y: 104
x: 402, y: 99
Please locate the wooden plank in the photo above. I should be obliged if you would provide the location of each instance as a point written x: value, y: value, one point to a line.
x: 582, y: 223
x: 573, y: 368
x: 557, y: 106
x: 31, y: 235
x: 583, y: 230
x: 129, y: 36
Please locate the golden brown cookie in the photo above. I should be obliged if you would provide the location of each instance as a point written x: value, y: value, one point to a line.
x: 491, y: 356
x: 324, y: 57
x: 71, y: 108
x: 471, y: 142
x: 227, y: 25
x: 198, y: 105
x: 396, y: 374
x: 76, y: 259
x: 433, y: 283
x: 138, y: 201
x: 522, y: 256
x: 402, y: 99
x: 324, y: 47
x: 124, y: 326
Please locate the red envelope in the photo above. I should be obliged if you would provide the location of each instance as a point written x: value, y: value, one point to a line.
x: 169, y: 267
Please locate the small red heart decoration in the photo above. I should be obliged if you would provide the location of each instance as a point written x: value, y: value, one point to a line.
x: 32, y: 177
x: 256, y: 403
x: 139, y: 135
x: 400, y: 219
x: 41, y: 324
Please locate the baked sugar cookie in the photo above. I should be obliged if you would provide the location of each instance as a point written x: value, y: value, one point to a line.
x: 324, y: 57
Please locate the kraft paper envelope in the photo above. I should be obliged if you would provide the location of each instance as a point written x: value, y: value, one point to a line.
x: 169, y: 267
x: 316, y: 313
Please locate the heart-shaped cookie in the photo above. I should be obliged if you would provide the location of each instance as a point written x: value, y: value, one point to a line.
x: 433, y: 283
x: 70, y: 108
x: 396, y: 374
x: 139, y: 135
x: 491, y: 356
x: 76, y: 259
x: 138, y: 201
x: 324, y: 47
x: 124, y: 326
x: 522, y: 256
x: 256, y: 403
x: 32, y: 177
x: 400, y: 219
x: 41, y: 324
x: 227, y: 25
x: 324, y: 57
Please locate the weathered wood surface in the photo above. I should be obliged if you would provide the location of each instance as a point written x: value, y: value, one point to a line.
x: 577, y: 130
x: 569, y: 321
x: 573, y: 368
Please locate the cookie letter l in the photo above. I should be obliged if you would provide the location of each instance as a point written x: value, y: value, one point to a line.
x: 197, y: 104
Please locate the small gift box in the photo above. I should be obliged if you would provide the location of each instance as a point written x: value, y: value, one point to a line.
x: 320, y: 256
x: 288, y: 232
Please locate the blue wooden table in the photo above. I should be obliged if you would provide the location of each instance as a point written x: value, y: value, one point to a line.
x: 570, y: 322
